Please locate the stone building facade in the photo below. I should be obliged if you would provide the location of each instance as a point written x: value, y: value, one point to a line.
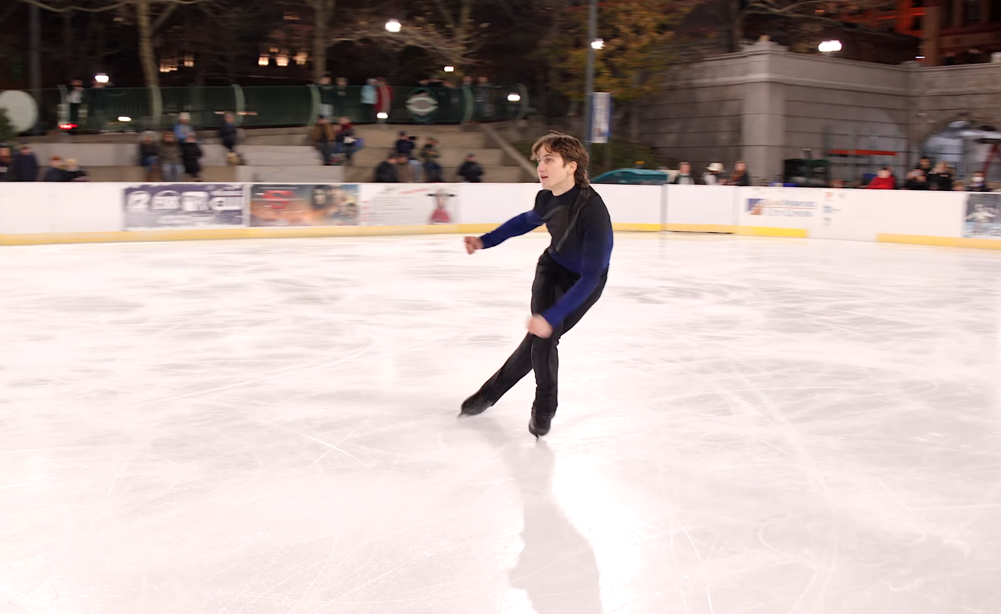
x: 765, y: 104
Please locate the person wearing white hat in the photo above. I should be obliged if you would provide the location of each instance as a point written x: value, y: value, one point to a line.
x: 183, y: 127
x: 712, y: 174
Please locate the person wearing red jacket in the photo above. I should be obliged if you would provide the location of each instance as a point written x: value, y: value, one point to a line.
x: 884, y: 180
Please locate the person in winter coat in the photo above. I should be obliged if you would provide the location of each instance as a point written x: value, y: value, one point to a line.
x: 404, y: 145
x: 228, y: 131
x: 191, y: 153
x: 883, y: 180
x: 941, y: 178
x: 740, y: 175
x: 712, y: 174
x: 74, y: 172
x: 57, y: 170
x: 684, y: 176
x: 429, y: 155
x: 323, y: 139
x: 170, y: 158
x: 6, y: 164
x: 471, y: 171
x: 404, y: 171
x: 369, y: 98
x: 977, y: 183
x: 183, y: 127
x: 916, y: 180
x: 25, y: 165
x: 149, y: 156
x: 386, y: 171
x: 344, y: 140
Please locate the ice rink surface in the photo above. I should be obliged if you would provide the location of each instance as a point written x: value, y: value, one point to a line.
x: 747, y: 426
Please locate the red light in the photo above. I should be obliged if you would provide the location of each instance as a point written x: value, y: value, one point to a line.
x: 67, y: 126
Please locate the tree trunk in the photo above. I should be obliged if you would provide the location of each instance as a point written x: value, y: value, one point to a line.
x: 321, y: 18
x: 147, y: 56
x: 634, y: 121
x: 737, y: 27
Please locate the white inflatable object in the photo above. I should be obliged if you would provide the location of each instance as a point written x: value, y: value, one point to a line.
x: 21, y: 109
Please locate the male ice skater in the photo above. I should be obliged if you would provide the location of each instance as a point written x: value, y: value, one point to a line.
x: 569, y: 278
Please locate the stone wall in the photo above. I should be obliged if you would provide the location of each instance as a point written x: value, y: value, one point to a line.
x: 764, y: 105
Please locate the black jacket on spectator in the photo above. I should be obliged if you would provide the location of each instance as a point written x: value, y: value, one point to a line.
x: 743, y: 180
x: 190, y: 154
x: 148, y: 150
x: 25, y: 167
x: 914, y: 184
x: 386, y: 173
x: 405, y: 147
x: 55, y: 174
x: 471, y: 171
x: 77, y: 175
x: 227, y: 132
x: 7, y: 170
x: 941, y: 181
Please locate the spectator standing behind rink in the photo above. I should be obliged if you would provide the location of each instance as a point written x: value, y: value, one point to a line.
x: 883, y: 180
x: 170, y: 158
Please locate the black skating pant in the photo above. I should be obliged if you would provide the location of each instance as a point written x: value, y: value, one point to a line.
x: 535, y: 353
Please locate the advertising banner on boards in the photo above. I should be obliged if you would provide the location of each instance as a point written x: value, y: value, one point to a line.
x: 178, y: 206
x: 982, y: 220
x: 410, y: 204
x: 276, y: 205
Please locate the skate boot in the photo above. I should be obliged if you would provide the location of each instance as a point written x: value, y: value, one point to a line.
x: 539, y: 424
x: 476, y: 405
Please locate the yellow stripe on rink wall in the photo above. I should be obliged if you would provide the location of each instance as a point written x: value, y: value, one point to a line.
x: 286, y: 232
x: 719, y: 228
x: 938, y: 241
x: 764, y: 231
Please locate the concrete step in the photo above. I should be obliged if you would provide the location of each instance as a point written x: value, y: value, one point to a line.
x: 492, y: 174
x: 279, y: 158
x: 112, y: 154
x: 137, y: 174
x: 449, y: 157
x: 375, y: 137
x: 290, y: 174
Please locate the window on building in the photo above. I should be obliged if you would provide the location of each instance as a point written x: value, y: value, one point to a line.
x: 947, y: 13
x: 971, y: 11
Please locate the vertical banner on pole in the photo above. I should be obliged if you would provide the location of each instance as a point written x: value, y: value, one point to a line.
x: 601, y: 117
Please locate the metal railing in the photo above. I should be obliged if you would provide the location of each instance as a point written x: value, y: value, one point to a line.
x: 115, y: 109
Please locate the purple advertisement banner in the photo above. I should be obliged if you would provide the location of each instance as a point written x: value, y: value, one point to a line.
x: 188, y: 205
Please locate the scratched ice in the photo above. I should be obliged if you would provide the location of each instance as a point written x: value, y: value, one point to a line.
x: 747, y: 426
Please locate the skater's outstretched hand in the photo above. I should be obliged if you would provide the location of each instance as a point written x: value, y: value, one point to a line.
x: 473, y: 244
x: 539, y: 327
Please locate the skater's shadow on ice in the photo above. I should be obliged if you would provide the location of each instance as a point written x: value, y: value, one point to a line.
x: 557, y: 568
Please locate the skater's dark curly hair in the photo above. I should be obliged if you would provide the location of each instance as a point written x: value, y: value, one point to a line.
x: 569, y: 148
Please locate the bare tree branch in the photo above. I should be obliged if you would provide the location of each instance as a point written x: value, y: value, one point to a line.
x: 163, y: 17
x: 102, y: 9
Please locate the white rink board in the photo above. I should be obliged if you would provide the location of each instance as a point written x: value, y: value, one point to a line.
x: 861, y: 215
x: 492, y: 203
x: 632, y: 204
x: 699, y: 205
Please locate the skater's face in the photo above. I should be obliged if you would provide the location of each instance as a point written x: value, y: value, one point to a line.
x: 553, y: 172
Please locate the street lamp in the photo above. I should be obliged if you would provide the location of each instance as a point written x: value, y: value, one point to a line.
x: 514, y: 97
x: 597, y: 44
x: 393, y: 26
x: 592, y: 31
x: 450, y: 69
x: 829, y: 46
x: 101, y: 78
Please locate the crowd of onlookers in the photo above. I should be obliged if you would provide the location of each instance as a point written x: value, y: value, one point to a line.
x: 23, y: 166
x: 925, y: 176
x: 714, y: 175
x: 929, y: 176
x: 407, y: 163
